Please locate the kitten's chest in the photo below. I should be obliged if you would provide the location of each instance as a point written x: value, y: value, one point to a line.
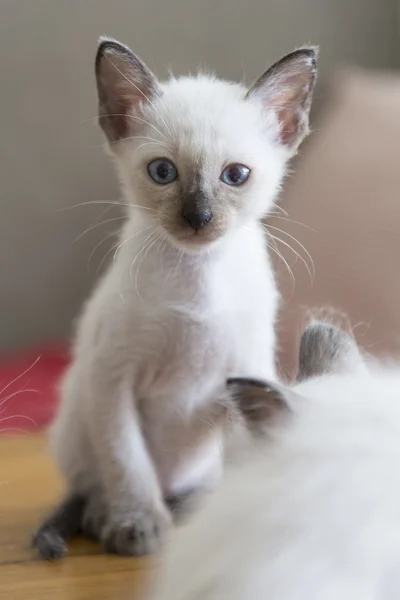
x: 187, y: 359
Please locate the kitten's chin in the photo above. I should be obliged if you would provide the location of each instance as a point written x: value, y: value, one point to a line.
x: 196, y: 242
x: 194, y: 245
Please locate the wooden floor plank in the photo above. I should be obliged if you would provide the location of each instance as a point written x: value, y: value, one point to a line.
x: 29, y: 485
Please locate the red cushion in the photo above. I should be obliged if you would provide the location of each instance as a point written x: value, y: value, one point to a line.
x: 28, y: 388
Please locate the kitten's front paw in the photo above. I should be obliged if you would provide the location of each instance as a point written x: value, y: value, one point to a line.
x: 138, y: 534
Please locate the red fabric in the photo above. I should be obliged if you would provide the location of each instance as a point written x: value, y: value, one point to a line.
x: 28, y: 388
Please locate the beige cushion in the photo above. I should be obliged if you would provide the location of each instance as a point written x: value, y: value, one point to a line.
x: 347, y: 190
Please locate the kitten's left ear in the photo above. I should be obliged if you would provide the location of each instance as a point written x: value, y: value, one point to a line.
x: 261, y: 404
x: 287, y: 89
x: 124, y: 83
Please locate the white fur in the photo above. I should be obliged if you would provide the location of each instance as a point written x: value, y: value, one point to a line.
x: 165, y: 327
x: 315, y: 515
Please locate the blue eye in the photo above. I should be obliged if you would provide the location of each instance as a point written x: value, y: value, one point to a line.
x: 235, y: 174
x: 162, y: 171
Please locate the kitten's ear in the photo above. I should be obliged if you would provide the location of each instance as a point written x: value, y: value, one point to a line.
x: 262, y: 404
x: 287, y: 88
x: 326, y: 349
x: 123, y: 83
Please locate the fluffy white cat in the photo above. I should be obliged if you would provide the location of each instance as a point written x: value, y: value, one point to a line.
x: 314, y: 514
x: 189, y: 300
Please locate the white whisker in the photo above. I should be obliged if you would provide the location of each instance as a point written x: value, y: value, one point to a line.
x: 97, y: 225
x: 113, y: 202
x: 104, y: 239
x: 143, y: 259
x: 21, y: 375
x: 301, y: 246
x: 288, y: 267
x: 294, y: 252
x: 17, y: 393
x: 275, y: 216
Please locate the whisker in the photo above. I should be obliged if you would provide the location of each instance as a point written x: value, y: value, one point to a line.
x: 19, y: 417
x: 17, y: 393
x: 97, y: 225
x: 105, y: 238
x: 300, y: 244
x: 288, y: 267
x: 134, y: 137
x: 142, y: 261
x: 113, y: 202
x: 294, y: 252
x: 277, y: 207
x: 126, y: 117
x: 143, y: 137
x: 275, y: 216
x: 21, y: 375
x: 117, y: 245
x: 143, y: 246
x: 129, y: 239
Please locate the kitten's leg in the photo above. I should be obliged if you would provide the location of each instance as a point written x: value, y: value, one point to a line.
x: 137, y: 515
x: 62, y: 524
x: 94, y: 515
x: 218, y: 414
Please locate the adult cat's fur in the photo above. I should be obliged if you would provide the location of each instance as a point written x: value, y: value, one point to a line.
x: 189, y: 300
x: 314, y: 515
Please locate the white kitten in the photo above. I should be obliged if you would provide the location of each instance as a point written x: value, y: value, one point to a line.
x: 189, y: 300
x: 314, y: 515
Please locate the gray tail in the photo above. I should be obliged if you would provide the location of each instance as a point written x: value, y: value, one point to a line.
x: 63, y: 523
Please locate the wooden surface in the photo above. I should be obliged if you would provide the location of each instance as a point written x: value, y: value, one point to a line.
x: 28, y: 486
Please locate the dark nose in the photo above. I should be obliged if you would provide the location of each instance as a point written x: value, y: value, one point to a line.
x: 197, y: 219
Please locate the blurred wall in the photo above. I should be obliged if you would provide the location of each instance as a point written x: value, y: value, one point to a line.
x: 50, y: 154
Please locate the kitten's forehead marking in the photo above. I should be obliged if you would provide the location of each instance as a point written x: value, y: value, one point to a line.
x: 197, y: 179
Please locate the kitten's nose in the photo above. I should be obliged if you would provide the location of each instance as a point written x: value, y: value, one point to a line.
x: 197, y: 219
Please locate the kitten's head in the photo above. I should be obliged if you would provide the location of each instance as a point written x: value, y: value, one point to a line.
x: 202, y: 156
x: 326, y: 353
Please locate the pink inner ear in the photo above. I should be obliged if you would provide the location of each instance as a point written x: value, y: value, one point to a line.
x: 289, y: 124
x: 289, y: 101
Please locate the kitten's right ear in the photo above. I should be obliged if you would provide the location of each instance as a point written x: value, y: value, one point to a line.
x: 287, y: 89
x: 124, y: 82
x: 326, y: 349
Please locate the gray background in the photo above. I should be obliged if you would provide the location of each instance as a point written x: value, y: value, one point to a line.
x: 50, y: 153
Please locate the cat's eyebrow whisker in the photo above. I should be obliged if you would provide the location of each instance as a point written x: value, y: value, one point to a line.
x: 141, y: 137
x: 149, y: 144
x: 127, y: 117
x: 312, y: 274
x: 147, y: 123
x: 139, y: 90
